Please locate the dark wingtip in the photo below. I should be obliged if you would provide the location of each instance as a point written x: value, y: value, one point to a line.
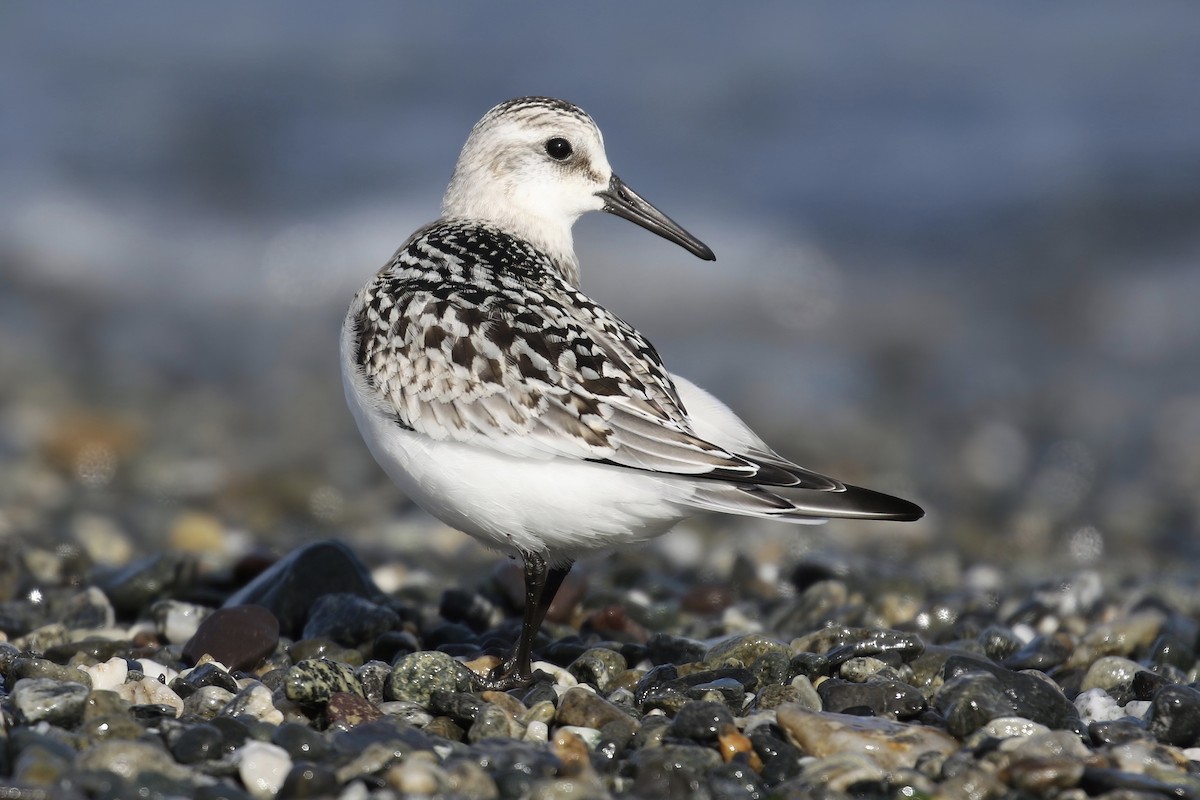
x: 856, y: 503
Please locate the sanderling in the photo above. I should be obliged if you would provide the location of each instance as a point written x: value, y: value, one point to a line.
x: 513, y: 407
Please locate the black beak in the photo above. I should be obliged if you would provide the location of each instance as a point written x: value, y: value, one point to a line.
x: 619, y: 199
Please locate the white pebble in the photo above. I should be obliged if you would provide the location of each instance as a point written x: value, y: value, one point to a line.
x: 590, y: 736
x: 150, y: 692
x: 108, y: 675
x: 1096, y: 705
x: 537, y: 732
x: 156, y: 671
x: 263, y: 767
x: 560, y: 675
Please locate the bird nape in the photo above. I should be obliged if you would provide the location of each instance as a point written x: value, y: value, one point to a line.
x: 512, y: 406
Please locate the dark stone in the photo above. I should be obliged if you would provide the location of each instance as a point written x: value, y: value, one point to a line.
x: 469, y: 608
x: 879, y: 643
x: 462, y: 707
x: 237, y: 636
x: 735, y: 781
x: 1174, y: 716
x: 977, y: 691
x: 700, y: 721
x: 290, y: 587
x: 731, y: 692
x: 1172, y: 650
x: 673, y: 770
x: 204, y: 675
x: 133, y: 587
x: 1145, y: 684
x: 348, y: 619
x: 810, y: 665
x: 197, y: 743
x: 515, y: 766
x: 300, y: 741
x: 400, y: 737
x: 1117, y: 731
x: 308, y: 779
x: 449, y: 633
x: 878, y: 697
x: 1042, y: 653
x: 664, y: 648
x: 998, y: 642
x: 312, y: 682
x: 345, y: 710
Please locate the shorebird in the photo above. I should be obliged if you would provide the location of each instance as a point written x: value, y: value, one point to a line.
x: 513, y: 407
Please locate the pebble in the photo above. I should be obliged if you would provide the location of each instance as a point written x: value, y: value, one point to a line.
x: 237, y: 636
x: 290, y: 587
x: 313, y: 681
x: 417, y: 676
x: 890, y: 745
x: 348, y: 619
x: 263, y: 768
x: 43, y: 699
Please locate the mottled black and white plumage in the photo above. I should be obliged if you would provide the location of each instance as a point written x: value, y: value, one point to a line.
x: 515, y: 408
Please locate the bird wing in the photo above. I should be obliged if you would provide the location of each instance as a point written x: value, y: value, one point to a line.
x: 539, y: 373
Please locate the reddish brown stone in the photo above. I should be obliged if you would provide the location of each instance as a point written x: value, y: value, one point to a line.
x: 346, y: 709
x: 239, y: 637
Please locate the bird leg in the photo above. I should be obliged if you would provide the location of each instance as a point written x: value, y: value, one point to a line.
x: 541, y: 584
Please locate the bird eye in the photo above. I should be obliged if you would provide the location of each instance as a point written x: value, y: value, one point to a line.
x: 559, y: 149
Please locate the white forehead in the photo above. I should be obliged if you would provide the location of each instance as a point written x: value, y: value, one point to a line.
x: 537, y: 119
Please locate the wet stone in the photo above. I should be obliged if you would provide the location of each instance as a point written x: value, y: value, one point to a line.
x: 290, y: 587
x: 491, y: 722
x: 300, y: 741
x: 977, y: 691
x: 728, y: 691
x: 133, y: 587
x: 513, y: 765
x: 743, y: 651
x: 372, y: 677
x: 177, y: 621
x: 1174, y: 716
x: 700, y: 721
x: 889, y: 744
x: 417, y: 676
x: 878, y: 697
x: 45, y: 700
x: 348, y: 619
x: 197, y: 743
x: 1042, y: 653
x: 25, y: 667
x: 735, y: 781
x: 307, y: 779
x: 237, y: 636
x: 580, y: 707
x: 1110, y: 672
x: 312, y: 682
x: 462, y: 707
x: 666, y: 649
x: 672, y: 769
x: 346, y: 710
x: 599, y: 667
x: 208, y: 674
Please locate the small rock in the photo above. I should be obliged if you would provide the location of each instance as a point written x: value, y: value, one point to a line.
x: 109, y: 674
x: 600, y: 667
x: 254, y: 701
x: 417, y: 676
x: 348, y: 619
x: 132, y: 588
x: 263, y: 767
x: 700, y: 721
x: 45, y: 700
x: 892, y: 745
x: 313, y: 681
x: 289, y: 587
x: 580, y: 707
x: 237, y: 636
x: 177, y: 621
x: 346, y: 710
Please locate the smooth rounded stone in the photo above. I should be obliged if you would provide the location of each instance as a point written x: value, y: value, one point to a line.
x: 417, y: 676
x: 132, y: 588
x: 373, y: 677
x: 324, y: 649
x: 149, y: 692
x: 131, y: 760
x: 348, y: 619
x: 663, y: 648
x: 254, y: 700
x: 312, y: 682
x: 263, y: 767
x: 1110, y: 672
x: 411, y: 713
x: 27, y: 667
x: 109, y: 674
x: 290, y: 587
x: 582, y: 708
x: 727, y: 691
x: 1042, y: 652
x: 1098, y: 781
x: 743, y: 651
x: 307, y: 779
x: 1012, y: 728
x: 541, y: 711
x: 88, y: 609
x: 734, y: 781
x: 998, y: 642
x: 599, y: 667
x: 1145, y: 684
x: 237, y: 636
x: 977, y: 691
x: 416, y: 777
x: 301, y: 742
x: 197, y: 743
x: 493, y: 721
x: 780, y: 758
x: 700, y: 721
x: 672, y: 770
x: 1117, y: 731
x: 43, y: 699
x: 207, y: 701
x: 1146, y: 755
x: 841, y: 643
x: 774, y: 696
x: 1174, y: 715
x: 177, y: 621
x: 345, y: 710
x: 880, y: 697
x: 470, y: 608
x: 891, y: 745
x: 156, y: 671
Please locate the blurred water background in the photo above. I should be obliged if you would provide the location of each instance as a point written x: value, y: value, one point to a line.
x: 958, y: 248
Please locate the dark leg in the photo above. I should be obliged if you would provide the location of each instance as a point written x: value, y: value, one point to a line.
x: 541, y: 584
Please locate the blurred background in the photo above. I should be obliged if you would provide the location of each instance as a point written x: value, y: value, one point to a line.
x: 958, y: 255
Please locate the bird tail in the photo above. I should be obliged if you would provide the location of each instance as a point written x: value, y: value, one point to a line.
x: 803, y: 505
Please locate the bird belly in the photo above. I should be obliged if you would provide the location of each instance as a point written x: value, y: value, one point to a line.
x: 559, y: 508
